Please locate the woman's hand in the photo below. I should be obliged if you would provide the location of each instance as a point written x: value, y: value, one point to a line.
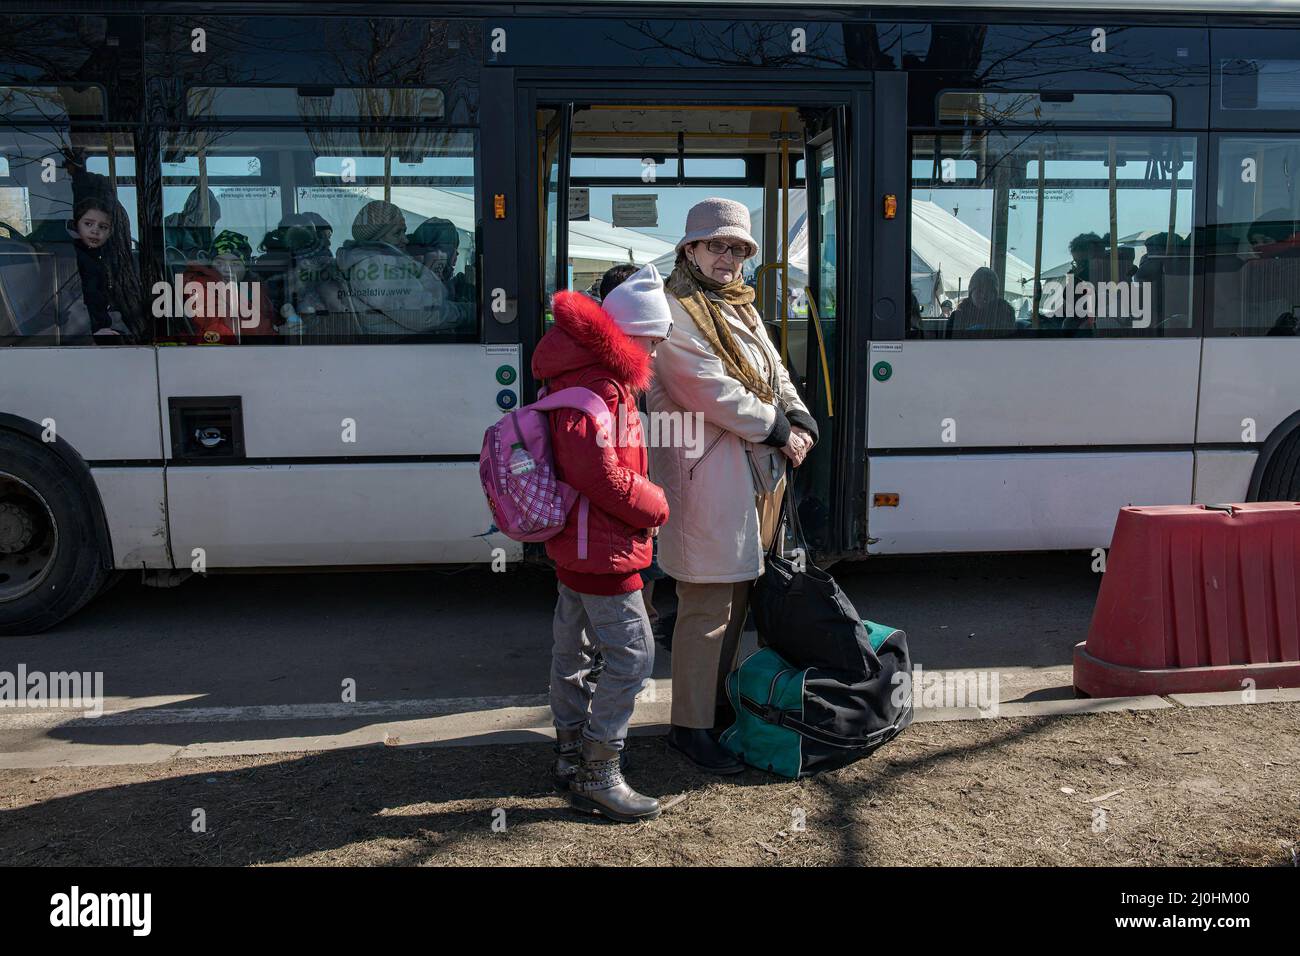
x: 797, y: 448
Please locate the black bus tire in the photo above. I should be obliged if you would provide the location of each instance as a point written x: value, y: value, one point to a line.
x: 1281, y: 480
x: 55, y: 519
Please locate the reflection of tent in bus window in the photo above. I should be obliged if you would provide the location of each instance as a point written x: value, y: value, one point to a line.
x: 945, y: 254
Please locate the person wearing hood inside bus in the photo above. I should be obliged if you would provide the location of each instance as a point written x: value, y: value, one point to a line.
x: 187, y: 233
x: 719, y: 367
x: 396, y: 294
x: 436, y: 243
x: 983, y: 310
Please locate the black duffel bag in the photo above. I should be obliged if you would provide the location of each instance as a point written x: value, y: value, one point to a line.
x: 801, y: 613
x: 796, y: 722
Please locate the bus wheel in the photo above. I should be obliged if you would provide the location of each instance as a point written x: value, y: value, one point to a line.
x: 51, y: 559
x: 1281, y: 481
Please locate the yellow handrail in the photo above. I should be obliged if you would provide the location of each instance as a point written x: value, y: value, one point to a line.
x: 821, y: 348
x: 783, y: 314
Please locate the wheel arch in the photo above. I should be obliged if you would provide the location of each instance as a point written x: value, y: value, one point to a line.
x: 1284, y: 430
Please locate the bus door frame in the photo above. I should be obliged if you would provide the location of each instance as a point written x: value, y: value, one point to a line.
x: 852, y: 98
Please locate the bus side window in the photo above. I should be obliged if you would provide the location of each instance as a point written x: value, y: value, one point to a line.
x: 1051, y: 234
x: 69, y: 271
x: 1254, y: 242
x: 322, y: 236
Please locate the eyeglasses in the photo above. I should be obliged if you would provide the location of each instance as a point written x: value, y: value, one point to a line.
x: 718, y: 247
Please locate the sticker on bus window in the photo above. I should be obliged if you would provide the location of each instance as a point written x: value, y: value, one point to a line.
x: 579, y: 203
x: 635, y: 210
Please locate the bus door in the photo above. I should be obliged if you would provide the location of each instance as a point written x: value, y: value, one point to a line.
x: 1044, y: 371
x: 614, y: 184
x: 337, y: 418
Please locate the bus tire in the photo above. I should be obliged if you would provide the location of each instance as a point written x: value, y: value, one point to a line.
x: 1281, y: 478
x: 52, y: 559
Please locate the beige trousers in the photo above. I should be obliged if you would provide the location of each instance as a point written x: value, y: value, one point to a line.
x: 706, y: 637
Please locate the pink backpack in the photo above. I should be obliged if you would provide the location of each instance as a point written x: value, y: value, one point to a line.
x: 532, y: 506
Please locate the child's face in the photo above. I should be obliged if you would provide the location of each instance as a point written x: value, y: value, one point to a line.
x: 647, y: 343
x: 230, y: 266
x: 94, y: 227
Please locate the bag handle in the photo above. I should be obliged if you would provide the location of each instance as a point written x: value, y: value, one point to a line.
x: 786, y: 718
x: 788, y: 507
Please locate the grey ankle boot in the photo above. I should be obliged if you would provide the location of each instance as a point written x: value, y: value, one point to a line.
x: 568, y: 757
x: 599, y: 787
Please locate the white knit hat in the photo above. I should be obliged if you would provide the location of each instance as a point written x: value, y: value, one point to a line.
x: 718, y: 218
x: 639, y: 306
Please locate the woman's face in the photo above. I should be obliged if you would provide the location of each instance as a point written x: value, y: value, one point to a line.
x: 721, y: 267
x: 94, y: 227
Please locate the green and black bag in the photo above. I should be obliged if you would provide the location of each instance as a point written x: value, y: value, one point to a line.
x: 797, y: 722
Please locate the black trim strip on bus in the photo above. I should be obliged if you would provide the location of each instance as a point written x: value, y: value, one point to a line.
x: 933, y: 451
x: 323, y: 460
x: 928, y: 451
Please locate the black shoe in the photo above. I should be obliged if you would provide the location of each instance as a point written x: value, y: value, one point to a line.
x: 702, y: 750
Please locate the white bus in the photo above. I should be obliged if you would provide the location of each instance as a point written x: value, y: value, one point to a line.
x: 1030, y: 263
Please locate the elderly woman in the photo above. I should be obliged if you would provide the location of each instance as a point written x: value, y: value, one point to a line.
x: 723, y: 491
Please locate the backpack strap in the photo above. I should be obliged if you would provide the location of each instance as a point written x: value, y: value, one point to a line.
x: 582, y: 399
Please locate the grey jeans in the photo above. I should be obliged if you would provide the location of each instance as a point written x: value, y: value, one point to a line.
x: 617, y: 626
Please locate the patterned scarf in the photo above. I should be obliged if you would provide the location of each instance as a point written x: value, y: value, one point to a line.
x: 689, y: 285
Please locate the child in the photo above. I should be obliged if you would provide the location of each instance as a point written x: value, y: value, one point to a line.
x: 231, y: 306
x: 606, y: 541
x: 92, y: 224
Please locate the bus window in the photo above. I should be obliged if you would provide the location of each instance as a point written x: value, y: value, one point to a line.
x: 1051, y: 234
x: 1254, y: 242
x: 69, y: 271
x: 321, y: 235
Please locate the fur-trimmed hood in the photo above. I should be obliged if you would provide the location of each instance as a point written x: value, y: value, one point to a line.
x: 585, y: 335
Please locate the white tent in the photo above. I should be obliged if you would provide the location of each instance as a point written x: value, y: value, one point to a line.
x: 946, y: 252
x: 602, y: 241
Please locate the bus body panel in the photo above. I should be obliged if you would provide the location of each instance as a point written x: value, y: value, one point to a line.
x: 332, y: 514
x: 1015, y: 502
x: 300, y: 401
x: 340, y: 403
x: 1249, y: 386
x: 1223, y: 477
x: 1009, y: 393
x: 102, y: 401
x: 135, y: 507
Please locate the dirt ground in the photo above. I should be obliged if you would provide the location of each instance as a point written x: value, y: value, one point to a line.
x: 1195, y: 786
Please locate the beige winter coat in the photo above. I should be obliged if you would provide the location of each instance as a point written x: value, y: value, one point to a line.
x: 712, y: 531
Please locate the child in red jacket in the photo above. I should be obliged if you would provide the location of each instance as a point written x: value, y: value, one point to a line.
x: 605, y: 543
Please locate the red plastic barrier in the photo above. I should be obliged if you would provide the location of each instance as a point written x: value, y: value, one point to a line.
x: 1194, y: 600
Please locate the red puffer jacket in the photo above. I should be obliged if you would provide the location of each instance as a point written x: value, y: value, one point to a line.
x: 586, y: 348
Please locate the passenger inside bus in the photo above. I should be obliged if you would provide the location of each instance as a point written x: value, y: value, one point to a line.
x: 92, y: 227
x: 984, y: 310
x: 189, y: 233
x: 436, y: 244
x: 230, y: 307
x: 393, y: 292
x: 302, y: 279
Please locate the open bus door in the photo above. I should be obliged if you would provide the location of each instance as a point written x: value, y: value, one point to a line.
x: 614, y: 184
